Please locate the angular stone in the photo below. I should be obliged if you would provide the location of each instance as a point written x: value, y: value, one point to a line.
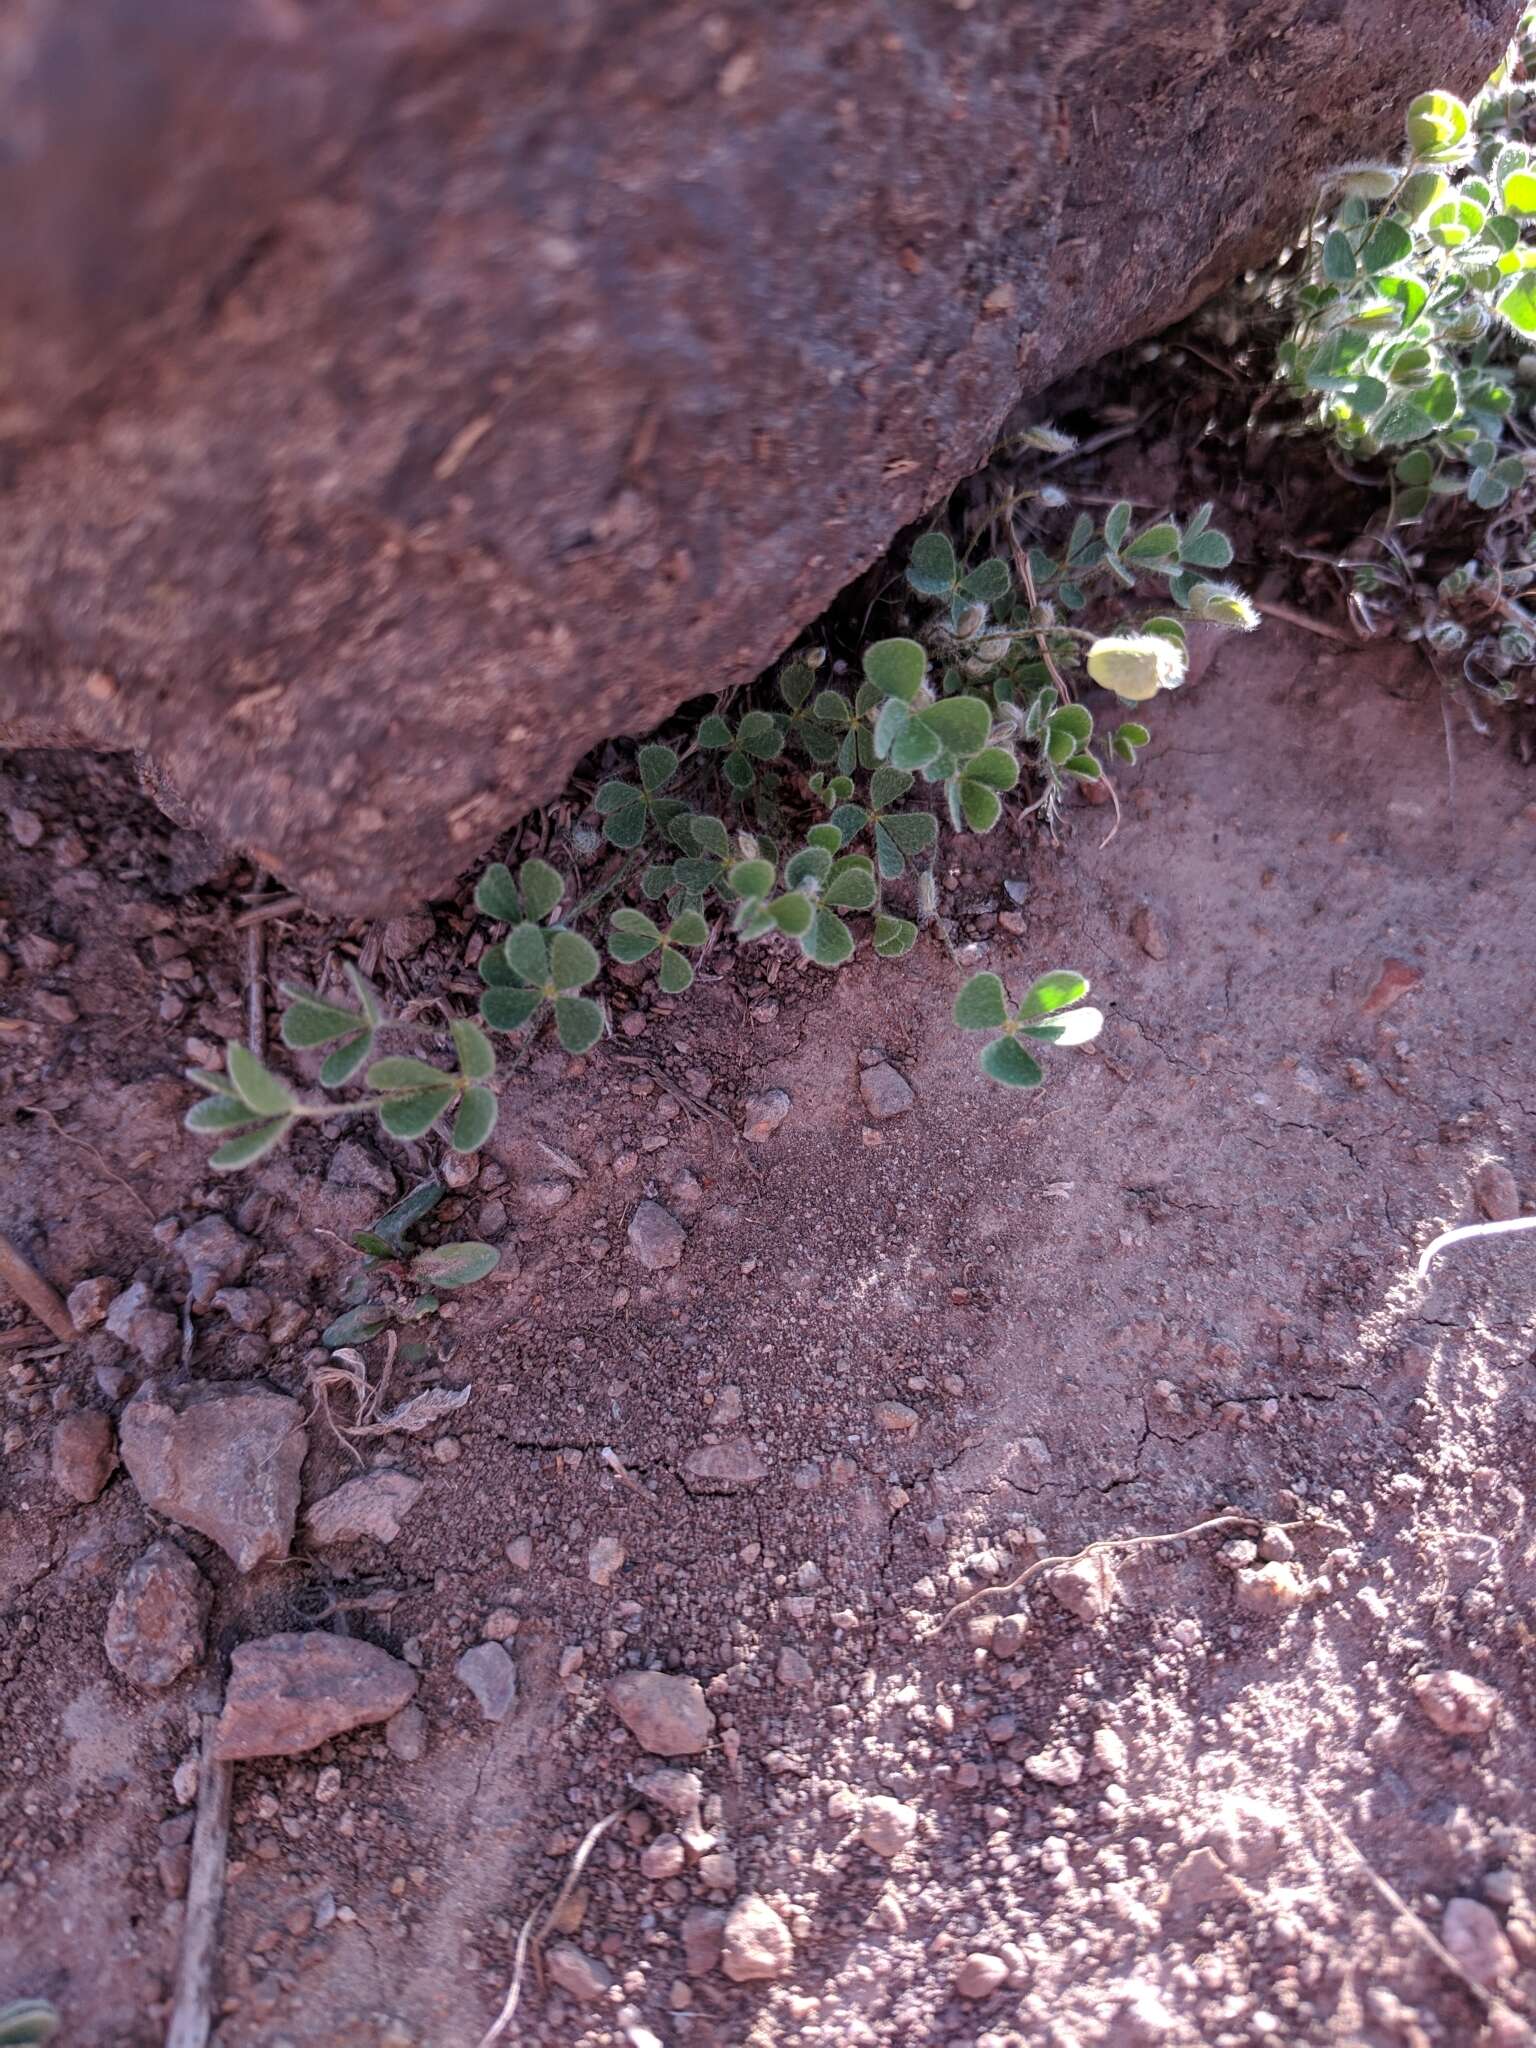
x: 755, y: 1944
x: 134, y: 1320
x: 1456, y: 1702
x: 89, y: 1301
x: 980, y: 1975
x: 215, y: 1255
x: 656, y: 1238
x: 1087, y: 1587
x: 248, y: 1308
x: 289, y: 1693
x: 575, y: 1972
x: 666, y: 1714
x: 703, y: 1939
x: 720, y: 1466
x: 887, y: 1825
x: 222, y: 1458
x: 762, y: 1114
x: 405, y: 1734
x: 158, y: 1617
x: 373, y: 1505
x: 81, y: 1456
x: 491, y: 1676
x: 1471, y: 1931
x: 886, y: 1093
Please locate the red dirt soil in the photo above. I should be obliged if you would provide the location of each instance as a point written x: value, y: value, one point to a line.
x: 1176, y: 1282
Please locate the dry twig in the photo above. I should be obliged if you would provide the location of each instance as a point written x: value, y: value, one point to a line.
x: 528, y: 1938
x: 1230, y: 1520
x: 33, y: 1292
x: 69, y: 1137
x: 192, y: 2012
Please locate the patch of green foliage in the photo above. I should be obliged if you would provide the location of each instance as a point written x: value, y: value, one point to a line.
x: 1412, y: 345
x: 811, y: 821
x: 399, y: 1283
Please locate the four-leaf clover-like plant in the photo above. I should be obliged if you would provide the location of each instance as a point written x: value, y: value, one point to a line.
x: 1048, y: 1014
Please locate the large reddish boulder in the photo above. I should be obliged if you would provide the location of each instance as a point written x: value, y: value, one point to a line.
x: 399, y: 398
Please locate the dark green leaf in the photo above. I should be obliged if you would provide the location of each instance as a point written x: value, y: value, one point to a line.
x: 632, y: 935
x: 982, y: 1004
x: 989, y: 582
x: 541, y: 888
x: 454, y: 1265
x: 258, y: 1089
x: 496, y: 895
x: 573, y: 960
x: 714, y: 733
x: 828, y: 942
x: 896, y: 667
x: 626, y: 828
x: 357, y: 1326
x: 1084, y: 767
x: 527, y: 954
x: 310, y: 1020
x: 1209, y: 550
x: 688, y: 928
x: 1006, y: 1060
x: 398, y: 1072
x: 657, y: 766
x: 1389, y: 243
x: 759, y: 734
x: 509, y: 1009
x: 960, y: 723
x: 216, y: 1113
x: 1338, y: 258
x: 894, y: 936
x: 1117, y: 522
x: 1076, y: 720
x: 396, y: 1224
x: 339, y: 1066
x: 245, y: 1151
x: 851, y: 887
x: 931, y: 569
x: 412, y: 1116
x: 676, y: 972
x: 578, y: 1023
x: 1156, y: 544
x: 979, y: 806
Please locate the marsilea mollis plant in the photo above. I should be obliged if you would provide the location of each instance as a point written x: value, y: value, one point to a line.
x: 1414, y: 349
x: 812, y: 822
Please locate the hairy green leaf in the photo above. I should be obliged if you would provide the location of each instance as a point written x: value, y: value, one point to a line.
x: 477, y: 1056
x: 357, y: 1326
x: 894, y: 936
x: 413, y: 1115
x: 931, y: 569
x: 310, y: 1020
x: 578, y: 1023
x: 676, y: 972
x: 1006, y: 1060
x: 348, y: 1059
x: 541, y: 887
x: 1054, y: 991
x: 454, y: 1265
x: 496, y: 895
x: 258, y: 1089
x: 216, y: 1113
x: 982, y: 1004
x: 509, y: 1009
x: 254, y: 1145
x: 896, y: 667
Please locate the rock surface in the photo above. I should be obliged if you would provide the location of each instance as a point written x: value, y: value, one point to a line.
x: 222, y: 1458
x: 667, y: 1715
x: 656, y: 1238
x: 491, y: 1676
x: 436, y: 446
x: 158, y: 1617
x: 81, y: 1457
x: 756, y: 1943
x: 372, y: 1505
x: 289, y: 1693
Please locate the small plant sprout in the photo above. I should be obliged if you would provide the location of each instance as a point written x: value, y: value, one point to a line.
x: 627, y: 809
x: 632, y: 936
x: 397, y: 1282
x: 1046, y: 1014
